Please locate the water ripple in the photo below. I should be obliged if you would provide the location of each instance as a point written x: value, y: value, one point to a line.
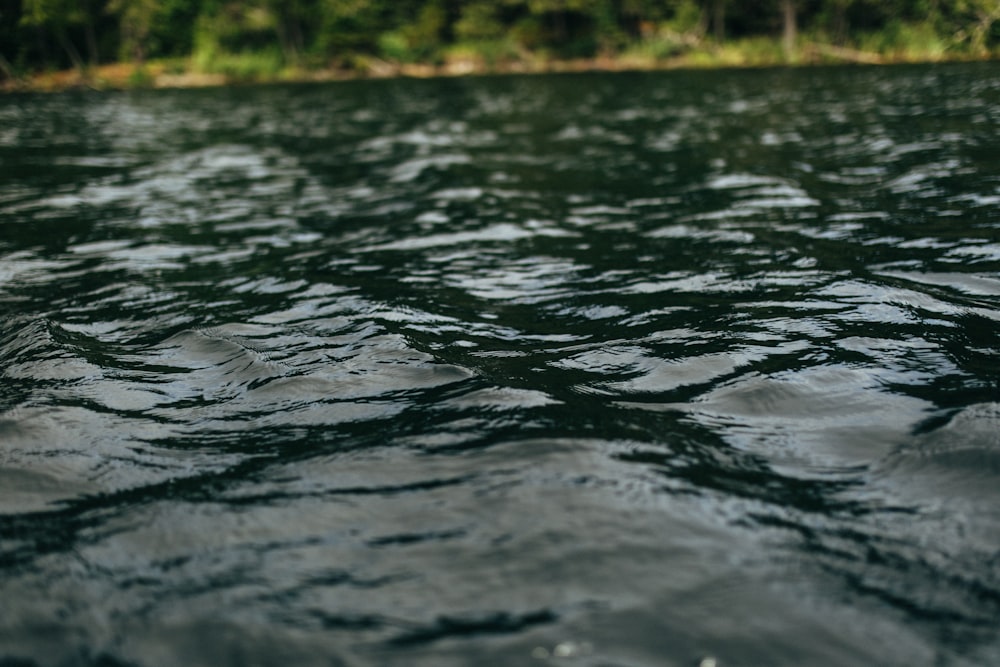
x: 573, y: 368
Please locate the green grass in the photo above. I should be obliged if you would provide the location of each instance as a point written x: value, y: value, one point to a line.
x: 906, y: 41
x: 485, y: 53
x: 140, y: 78
x: 265, y: 65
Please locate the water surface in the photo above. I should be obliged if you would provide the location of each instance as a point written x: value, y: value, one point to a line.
x: 605, y: 370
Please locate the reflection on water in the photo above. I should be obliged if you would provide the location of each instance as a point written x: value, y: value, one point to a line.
x: 650, y: 369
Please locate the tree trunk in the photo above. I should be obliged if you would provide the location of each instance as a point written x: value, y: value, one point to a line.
x: 70, y: 49
x: 6, y: 71
x: 791, y: 32
x: 136, y: 36
x: 561, y: 27
x: 839, y: 22
x: 43, y: 46
x: 287, y: 50
x: 719, y: 19
x: 982, y: 29
x: 295, y: 35
x: 91, y: 36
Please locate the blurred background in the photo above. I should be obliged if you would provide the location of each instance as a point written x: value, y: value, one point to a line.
x: 274, y: 39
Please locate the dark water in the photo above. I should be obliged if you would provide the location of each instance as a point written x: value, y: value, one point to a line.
x: 604, y: 370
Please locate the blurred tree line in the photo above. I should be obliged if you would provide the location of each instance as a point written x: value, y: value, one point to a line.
x: 261, y: 34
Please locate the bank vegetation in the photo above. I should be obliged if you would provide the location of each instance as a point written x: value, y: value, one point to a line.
x: 46, y: 44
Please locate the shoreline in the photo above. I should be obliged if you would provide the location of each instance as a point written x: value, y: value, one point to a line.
x: 120, y: 76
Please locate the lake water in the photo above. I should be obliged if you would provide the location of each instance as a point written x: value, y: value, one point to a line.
x: 607, y: 370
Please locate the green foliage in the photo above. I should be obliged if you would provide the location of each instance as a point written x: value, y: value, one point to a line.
x: 687, y: 18
x: 906, y: 40
x: 974, y: 23
x: 655, y: 48
x: 419, y: 40
x: 172, y: 32
x: 348, y: 26
x: 255, y: 39
x: 239, y: 40
x: 140, y: 78
x: 136, y: 19
x: 248, y: 66
x: 51, y: 12
x: 58, y: 18
x: 480, y: 21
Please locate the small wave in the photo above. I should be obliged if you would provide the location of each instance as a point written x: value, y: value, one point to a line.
x: 957, y: 462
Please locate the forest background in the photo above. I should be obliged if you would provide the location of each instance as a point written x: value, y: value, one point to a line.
x: 116, y: 43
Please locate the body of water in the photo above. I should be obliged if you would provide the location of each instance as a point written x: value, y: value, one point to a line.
x: 609, y: 370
